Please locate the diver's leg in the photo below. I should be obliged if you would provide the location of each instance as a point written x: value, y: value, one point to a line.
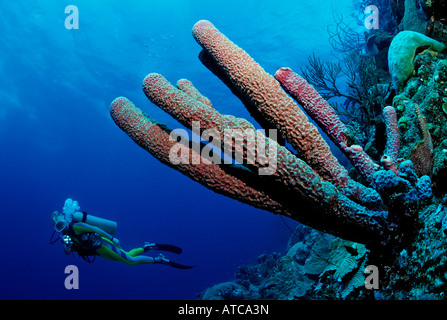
x: 154, y: 246
x: 112, y: 252
x: 136, y: 252
x: 139, y: 260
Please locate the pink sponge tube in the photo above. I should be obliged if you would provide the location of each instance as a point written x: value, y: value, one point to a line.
x: 314, y: 104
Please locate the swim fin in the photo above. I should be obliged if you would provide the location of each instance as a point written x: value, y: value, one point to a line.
x: 168, y: 247
x: 163, y: 260
x: 179, y: 266
x: 162, y: 247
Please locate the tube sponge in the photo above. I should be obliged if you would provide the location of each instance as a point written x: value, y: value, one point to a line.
x: 401, y: 54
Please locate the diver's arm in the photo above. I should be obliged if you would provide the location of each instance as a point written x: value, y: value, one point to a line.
x: 79, y: 227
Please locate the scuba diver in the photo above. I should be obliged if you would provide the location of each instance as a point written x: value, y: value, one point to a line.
x: 90, y: 236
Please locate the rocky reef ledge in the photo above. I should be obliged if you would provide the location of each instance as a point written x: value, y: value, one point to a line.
x: 318, y: 266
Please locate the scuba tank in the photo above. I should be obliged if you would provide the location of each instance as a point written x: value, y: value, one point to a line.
x: 108, y: 226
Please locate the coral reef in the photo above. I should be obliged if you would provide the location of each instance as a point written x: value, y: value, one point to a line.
x: 334, y: 267
x: 384, y: 220
x: 225, y: 291
x: 422, y: 120
x: 316, y: 265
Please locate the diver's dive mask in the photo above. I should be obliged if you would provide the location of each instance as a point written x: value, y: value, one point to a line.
x: 58, y: 221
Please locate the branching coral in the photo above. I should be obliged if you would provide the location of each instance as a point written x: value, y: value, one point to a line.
x: 311, y: 187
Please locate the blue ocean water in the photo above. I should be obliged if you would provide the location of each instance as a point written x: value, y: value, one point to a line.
x: 57, y: 139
